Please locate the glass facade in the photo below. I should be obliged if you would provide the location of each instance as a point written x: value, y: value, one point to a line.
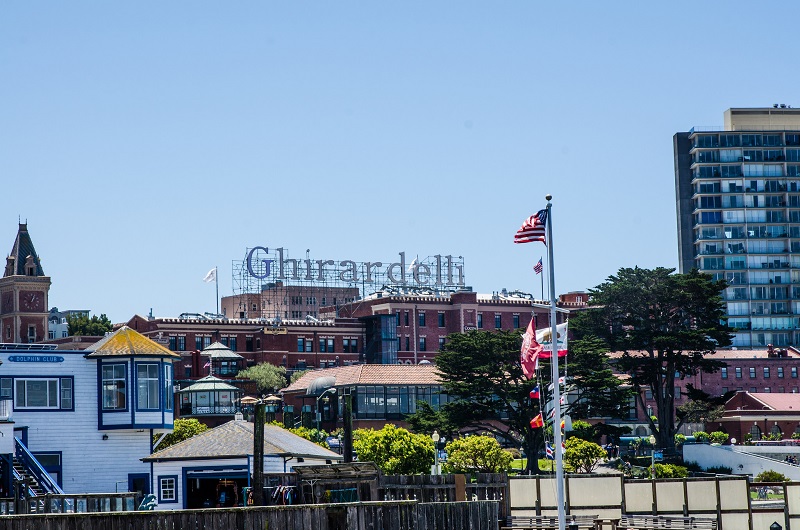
x: 741, y: 223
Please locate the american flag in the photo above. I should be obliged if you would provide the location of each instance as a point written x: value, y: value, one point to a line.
x: 538, y: 267
x: 532, y: 229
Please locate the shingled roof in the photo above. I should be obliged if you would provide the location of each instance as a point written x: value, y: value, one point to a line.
x: 23, y: 247
x: 372, y: 374
x: 235, y: 440
x: 219, y: 351
x: 126, y: 342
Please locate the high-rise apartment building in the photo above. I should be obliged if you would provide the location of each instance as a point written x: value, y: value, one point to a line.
x: 738, y: 203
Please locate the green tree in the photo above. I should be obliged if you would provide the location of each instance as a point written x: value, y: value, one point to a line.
x: 582, y: 456
x: 476, y: 454
x: 267, y: 376
x: 182, y: 429
x: 297, y: 375
x: 93, y: 327
x: 583, y: 430
x: 394, y: 450
x: 771, y: 476
x: 482, y: 375
x: 665, y: 325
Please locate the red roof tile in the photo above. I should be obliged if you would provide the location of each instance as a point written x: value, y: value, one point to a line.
x: 372, y: 374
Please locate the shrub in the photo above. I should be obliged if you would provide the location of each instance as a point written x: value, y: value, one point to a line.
x: 771, y: 476
x: 680, y: 439
x: 476, y: 454
x: 582, y: 456
x: 671, y: 471
x: 718, y: 437
x: 700, y: 437
x: 719, y: 470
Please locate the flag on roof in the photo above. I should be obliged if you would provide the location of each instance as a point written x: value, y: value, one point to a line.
x: 535, y: 392
x: 538, y: 267
x: 530, y: 351
x: 211, y: 276
x: 537, y: 422
x: 532, y: 229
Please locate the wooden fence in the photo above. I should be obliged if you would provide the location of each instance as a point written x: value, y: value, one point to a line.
x: 389, y: 515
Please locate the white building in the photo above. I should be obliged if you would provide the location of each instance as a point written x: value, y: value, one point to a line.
x: 89, y: 416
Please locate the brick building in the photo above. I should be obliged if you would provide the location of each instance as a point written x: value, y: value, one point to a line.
x: 283, y: 301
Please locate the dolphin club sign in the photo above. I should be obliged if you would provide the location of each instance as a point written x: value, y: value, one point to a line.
x: 434, y: 271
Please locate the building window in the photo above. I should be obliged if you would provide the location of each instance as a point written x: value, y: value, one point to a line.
x: 408, y: 343
x: 441, y: 319
x: 766, y: 372
x: 794, y: 372
x: 441, y: 342
x: 780, y: 372
x: 752, y: 372
x: 198, y: 342
x: 422, y: 320
x: 51, y: 334
x: 677, y: 392
x: 173, y: 343
x: 114, y: 387
x: 322, y: 347
x: 353, y: 346
x: 64, y: 334
x: 182, y: 343
x: 248, y: 343
x: 41, y: 393
x: 168, y: 389
x: 480, y: 320
x: 648, y: 394
x: 755, y: 432
x: 398, y: 318
x: 497, y: 321
x: 147, y: 386
x: 31, y: 333
x: 724, y: 389
x: 516, y: 320
x: 738, y: 371
x: 422, y: 344
x: 724, y: 372
x: 406, y: 318
x: 5, y: 387
x: 232, y: 343
x: 167, y: 491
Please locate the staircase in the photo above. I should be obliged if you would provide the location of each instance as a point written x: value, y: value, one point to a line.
x: 27, y: 468
x: 21, y: 473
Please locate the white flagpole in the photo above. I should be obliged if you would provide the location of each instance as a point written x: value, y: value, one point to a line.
x: 216, y: 281
x: 554, y: 369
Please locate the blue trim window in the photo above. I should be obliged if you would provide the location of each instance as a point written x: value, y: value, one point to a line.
x: 114, y: 385
x: 168, y: 489
x: 168, y: 390
x: 147, y: 384
x: 41, y: 393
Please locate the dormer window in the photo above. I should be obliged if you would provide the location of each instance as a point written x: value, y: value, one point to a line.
x: 30, y: 266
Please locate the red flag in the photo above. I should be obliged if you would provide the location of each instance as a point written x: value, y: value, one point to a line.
x: 546, y: 354
x: 529, y: 354
x: 532, y: 229
x: 537, y: 422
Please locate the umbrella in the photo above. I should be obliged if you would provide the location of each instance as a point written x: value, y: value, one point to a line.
x: 273, y: 398
x: 248, y: 400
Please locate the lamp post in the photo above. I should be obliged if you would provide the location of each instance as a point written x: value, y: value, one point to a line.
x: 652, y: 456
x: 325, y: 399
x: 435, y: 438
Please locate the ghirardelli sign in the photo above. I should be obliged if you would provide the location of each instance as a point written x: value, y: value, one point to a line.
x: 434, y: 271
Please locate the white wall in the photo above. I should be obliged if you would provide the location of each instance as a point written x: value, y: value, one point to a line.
x: 738, y: 459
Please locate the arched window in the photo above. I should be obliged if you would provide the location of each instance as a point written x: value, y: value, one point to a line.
x: 776, y: 430
x: 755, y: 432
x: 640, y: 431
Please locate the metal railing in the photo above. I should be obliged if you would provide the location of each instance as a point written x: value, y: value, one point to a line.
x: 46, y: 482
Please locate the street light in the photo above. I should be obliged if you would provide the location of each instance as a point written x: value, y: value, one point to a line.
x: 325, y: 399
x: 435, y: 438
x: 652, y: 456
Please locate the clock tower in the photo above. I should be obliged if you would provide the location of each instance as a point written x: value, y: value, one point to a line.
x: 23, y: 293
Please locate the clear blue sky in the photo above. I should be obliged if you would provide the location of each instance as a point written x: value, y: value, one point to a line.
x: 147, y: 142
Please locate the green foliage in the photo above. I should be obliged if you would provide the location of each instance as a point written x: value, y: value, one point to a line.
x: 182, y: 429
x: 664, y: 324
x: 476, y: 454
x: 582, y: 456
x: 83, y: 325
x: 394, y: 450
x: 796, y: 436
x: 718, y: 437
x: 266, y: 376
x: 318, y: 436
x: 748, y: 439
x: 583, y: 430
x: 671, y: 471
x: 481, y: 374
x: 680, y: 439
x: 297, y: 375
x: 719, y: 470
x: 772, y: 437
x: 701, y: 437
x: 771, y: 476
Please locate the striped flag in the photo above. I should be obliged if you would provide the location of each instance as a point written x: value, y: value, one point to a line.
x: 538, y: 267
x: 548, y: 451
x: 532, y: 229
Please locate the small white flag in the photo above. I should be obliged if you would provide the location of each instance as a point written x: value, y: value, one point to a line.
x: 211, y: 276
x: 411, y: 267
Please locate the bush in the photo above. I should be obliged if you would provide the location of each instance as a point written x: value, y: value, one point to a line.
x: 671, y: 471
x: 718, y: 437
x: 476, y: 454
x: 582, y: 456
x: 693, y: 467
x: 700, y: 437
x: 771, y: 476
x: 680, y: 439
x: 719, y: 470
x: 394, y: 450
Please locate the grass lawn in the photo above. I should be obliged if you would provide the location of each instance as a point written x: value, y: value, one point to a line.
x: 520, y: 463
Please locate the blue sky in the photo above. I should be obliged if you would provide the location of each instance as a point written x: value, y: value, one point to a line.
x: 148, y: 142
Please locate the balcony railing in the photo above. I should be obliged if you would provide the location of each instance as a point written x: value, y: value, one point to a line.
x: 199, y: 410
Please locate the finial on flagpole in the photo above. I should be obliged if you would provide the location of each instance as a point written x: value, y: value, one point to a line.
x: 548, y: 197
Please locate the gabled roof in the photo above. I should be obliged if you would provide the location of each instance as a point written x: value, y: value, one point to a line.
x: 372, y: 374
x: 207, y: 384
x: 779, y: 401
x: 126, y: 342
x: 235, y: 439
x: 219, y: 351
x: 23, y: 247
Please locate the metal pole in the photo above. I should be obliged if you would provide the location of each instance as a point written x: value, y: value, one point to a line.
x: 348, y: 425
x: 216, y: 278
x: 258, y: 453
x: 554, y: 372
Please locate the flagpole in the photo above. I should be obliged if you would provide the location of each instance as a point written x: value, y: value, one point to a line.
x: 216, y: 281
x: 554, y: 371
x: 542, y: 279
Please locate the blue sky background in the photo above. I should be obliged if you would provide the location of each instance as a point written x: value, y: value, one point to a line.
x: 147, y: 142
